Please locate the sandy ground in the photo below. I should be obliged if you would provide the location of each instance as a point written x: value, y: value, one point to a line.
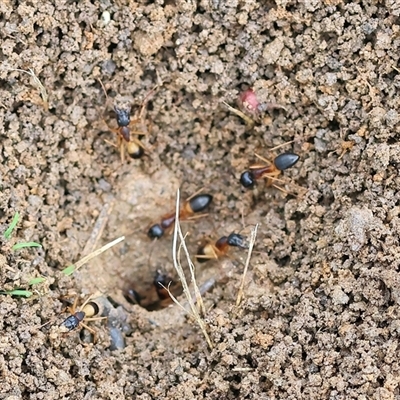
x: 320, y: 316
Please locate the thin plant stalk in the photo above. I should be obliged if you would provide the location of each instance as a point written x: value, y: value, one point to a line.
x: 246, y: 267
x: 195, y: 311
x: 74, y: 267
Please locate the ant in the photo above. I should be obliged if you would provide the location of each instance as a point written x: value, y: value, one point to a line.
x: 133, y: 146
x: 220, y: 247
x: 193, y: 205
x: 270, y: 171
x: 132, y: 296
x: 88, y: 309
x: 161, y: 283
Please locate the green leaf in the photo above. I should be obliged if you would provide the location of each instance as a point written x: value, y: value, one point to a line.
x: 36, y: 281
x: 25, y: 244
x: 13, y: 224
x: 18, y: 292
x: 69, y: 270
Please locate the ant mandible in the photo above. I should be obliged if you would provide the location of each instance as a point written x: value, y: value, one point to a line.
x: 270, y: 171
x: 192, y: 206
x: 220, y: 247
x: 88, y: 309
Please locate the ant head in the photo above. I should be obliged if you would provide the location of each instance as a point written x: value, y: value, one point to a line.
x: 247, y: 179
x: 155, y: 232
x: 285, y: 161
x: 123, y: 116
x: 236, y: 240
x: 200, y: 202
x: 161, y: 278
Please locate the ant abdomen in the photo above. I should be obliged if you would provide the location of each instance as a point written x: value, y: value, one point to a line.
x: 200, y: 202
x: 286, y: 160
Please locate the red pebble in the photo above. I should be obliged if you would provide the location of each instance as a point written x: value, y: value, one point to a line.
x: 249, y: 101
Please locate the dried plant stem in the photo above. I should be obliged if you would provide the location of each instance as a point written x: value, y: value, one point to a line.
x: 195, y: 311
x: 38, y: 84
x: 96, y: 253
x: 246, y: 267
x: 247, y: 119
x: 99, y: 227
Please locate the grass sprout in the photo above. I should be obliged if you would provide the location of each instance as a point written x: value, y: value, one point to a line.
x: 25, y: 244
x: 246, y: 266
x: 10, y: 229
x: 196, y: 305
x: 18, y: 292
x: 74, y: 267
x: 36, y: 281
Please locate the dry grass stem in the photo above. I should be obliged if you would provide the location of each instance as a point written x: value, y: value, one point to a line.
x: 280, y: 145
x: 97, y: 252
x: 246, y: 267
x: 195, y: 311
x: 247, y: 119
x: 37, y: 84
x: 99, y: 227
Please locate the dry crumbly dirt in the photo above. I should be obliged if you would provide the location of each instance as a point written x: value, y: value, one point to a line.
x: 320, y: 318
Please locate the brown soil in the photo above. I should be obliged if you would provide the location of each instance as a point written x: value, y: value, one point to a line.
x: 320, y: 317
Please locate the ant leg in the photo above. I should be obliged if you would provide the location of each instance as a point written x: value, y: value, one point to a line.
x: 194, y: 217
x: 110, y: 143
x: 281, y: 145
x: 194, y: 194
x: 95, y: 318
x: 145, y: 100
x: 270, y: 181
x: 263, y: 159
x: 72, y: 309
x: 92, y: 331
x: 120, y: 144
x: 86, y: 301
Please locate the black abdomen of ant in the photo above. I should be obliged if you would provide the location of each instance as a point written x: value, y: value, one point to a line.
x: 286, y: 161
x: 200, y: 202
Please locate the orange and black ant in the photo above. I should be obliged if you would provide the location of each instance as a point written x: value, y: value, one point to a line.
x: 86, y: 313
x: 133, y: 146
x: 221, y: 247
x: 192, y: 206
x: 270, y: 170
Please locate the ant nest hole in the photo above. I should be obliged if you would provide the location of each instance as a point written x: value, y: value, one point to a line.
x: 136, y: 270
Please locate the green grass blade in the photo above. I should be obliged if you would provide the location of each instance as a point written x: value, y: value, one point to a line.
x: 25, y: 244
x: 36, y: 281
x: 13, y: 224
x: 18, y: 292
x: 69, y: 270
